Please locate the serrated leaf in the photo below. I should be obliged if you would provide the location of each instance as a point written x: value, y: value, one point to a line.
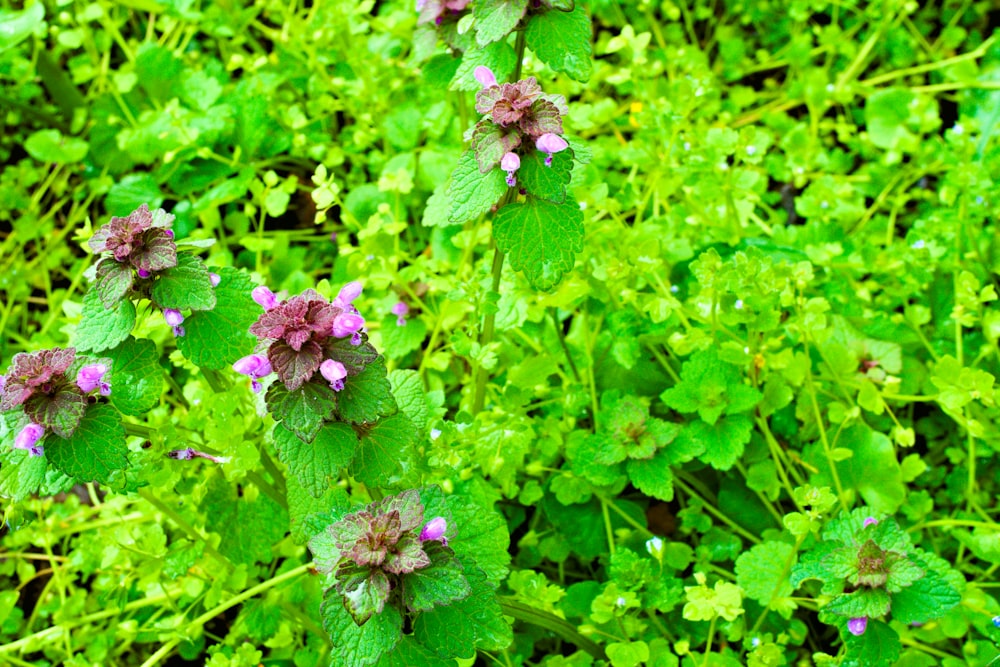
x: 114, y: 280
x: 723, y: 442
x: 158, y: 253
x: 652, y: 476
x: 495, y: 19
x: 366, y: 396
x: 96, y: 449
x: 490, y: 142
x: 354, y: 357
x: 248, y: 528
x: 878, y: 647
x: 136, y: 377
x: 398, y: 341
x: 304, y: 410
x: 546, y: 182
x: 562, y: 41
x: 498, y: 56
x: 438, y: 209
x: 463, y: 626
x: 409, y: 653
x: 21, y: 474
x: 295, y: 367
x: 318, y: 464
x: 103, y: 328
x: 358, y: 646
x: 409, y: 392
x: 218, y: 337
x: 928, y: 598
x: 763, y: 574
x: 382, y: 448
x: 364, y: 590
x: 303, y: 506
x: 59, y: 412
x: 473, y: 193
x: 541, y: 238
x: 870, y: 602
x: 440, y: 583
x: 184, y: 286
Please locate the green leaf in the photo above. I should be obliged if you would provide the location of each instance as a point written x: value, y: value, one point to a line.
x: 711, y: 387
x: 136, y: 376
x: 723, y: 442
x: 102, y: 328
x: 19, y: 25
x: 354, y: 357
x: 248, y: 528
x: 95, y: 451
x: 653, y: 476
x: 21, y: 474
x: 546, y: 182
x: 562, y: 41
x: 878, y: 647
x: 317, y: 465
x: 409, y: 653
x: 763, y: 574
x: 398, y: 341
x: 364, y: 590
x: 382, y: 448
x: 53, y: 146
x: 458, y: 629
x: 217, y: 338
x: 928, y: 598
x: 366, y: 396
x: 495, y: 19
x: 870, y: 602
x: 358, y: 646
x: 472, y: 192
x: 409, y: 392
x: 440, y: 583
x: 303, y: 506
x: 886, y: 112
x: 184, y: 286
x: 498, y: 56
x: 114, y: 280
x: 873, y: 470
x: 628, y: 654
x: 304, y: 410
x: 541, y: 238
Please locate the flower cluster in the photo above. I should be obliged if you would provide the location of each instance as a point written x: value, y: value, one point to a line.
x: 517, y: 115
x: 54, y: 399
x: 436, y: 11
x: 141, y: 241
x: 380, y: 546
x: 306, y: 334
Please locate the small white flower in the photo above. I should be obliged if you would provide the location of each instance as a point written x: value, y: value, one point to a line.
x: 918, y: 244
x: 738, y: 305
x: 751, y: 150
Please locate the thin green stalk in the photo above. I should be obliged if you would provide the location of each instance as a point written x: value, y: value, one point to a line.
x: 554, y: 624
x: 168, y: 648
x: 562, y: 342
x: 717, y: 514
x: 182, y: 523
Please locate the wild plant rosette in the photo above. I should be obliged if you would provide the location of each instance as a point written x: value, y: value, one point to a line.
x: 872, y: 570
x: 53, y: 406
x: 408, y: 573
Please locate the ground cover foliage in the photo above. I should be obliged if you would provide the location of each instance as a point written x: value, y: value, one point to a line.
x: 499, y: 332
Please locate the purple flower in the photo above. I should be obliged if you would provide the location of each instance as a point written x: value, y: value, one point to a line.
x: 334, y: 372
x: 485, y: 76
x: 253, y: 366
x: 510, y: 163
x: 434, y: 530
x: 91, y: 377
x: 857, y: 626
x: 28, y: 437
x: 143, y: 273
x: 190, y: 453
x: 550, y: 143
x: 869, y: 521
x: 174, y: 318
x: 215, y: 279
x: 264, y: 297
x: 400, y: 310
x: 347, y: 294
x: 347, y: 324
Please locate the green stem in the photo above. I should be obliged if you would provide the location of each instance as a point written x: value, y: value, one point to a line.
x: 168, y: 648
x: 62, y: 90
x: 489, y: 324
x: 138, y: 430
x: 267, y: 489
x: 554, y: 624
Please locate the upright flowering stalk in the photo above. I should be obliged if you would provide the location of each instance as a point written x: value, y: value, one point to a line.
x: 517, y: 117
x: 300, y: 334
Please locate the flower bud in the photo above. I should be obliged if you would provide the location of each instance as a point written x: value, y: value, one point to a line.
x: 334, y: 372
x: 654, y: 546
x: 485, y: 76
x: 28, y: 437
x: 434, y: 530
x: 143, y: 273
x: 348, y: 293
x: 173, y: 317
x: 264, y: 297
x: 869, y: 521
x: 857, y: 626
x: 215, y: 279
x: 89, y: 377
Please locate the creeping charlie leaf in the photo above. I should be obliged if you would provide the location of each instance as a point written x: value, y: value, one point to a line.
x: 541, y: 238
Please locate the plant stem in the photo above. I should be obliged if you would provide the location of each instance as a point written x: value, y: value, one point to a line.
x: 544, y: 619
x: 168, y: 648
x: 489, y: 324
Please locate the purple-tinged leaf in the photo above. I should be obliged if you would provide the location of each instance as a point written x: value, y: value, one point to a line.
x: 490, y: 143
x: 114, y: 280
x: 304, y: 410
x: 156, y: 251
x: 406, y: 555
x: 59, y: 412
x: 438, y: 583
x: 364, y: 590
x: 354, y: 357
x: 544, y: 118
x: 295, y: 367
